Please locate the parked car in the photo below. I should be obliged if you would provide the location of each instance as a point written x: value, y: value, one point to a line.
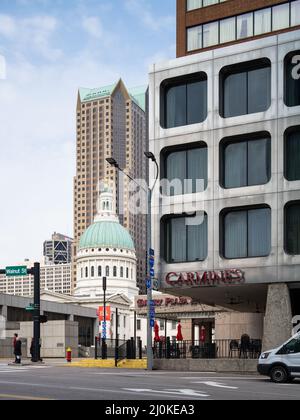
x: 282, y: 364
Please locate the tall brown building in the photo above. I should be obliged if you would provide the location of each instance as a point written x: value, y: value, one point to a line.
x: 206, y: 24
x: 111, y: 122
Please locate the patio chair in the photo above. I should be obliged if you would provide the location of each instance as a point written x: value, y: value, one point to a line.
x: 234, y: 347
x: 245, y: 347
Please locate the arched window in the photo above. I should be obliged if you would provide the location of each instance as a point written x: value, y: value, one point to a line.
x: 107, y: 271
x: 82, y: 273
x: 99, y: 271
x: 115, y: 271
x: 86, y: 272
x: 127, y: 273
x: 93, y: 271
x: 103, y: 205
x: 122, y: 272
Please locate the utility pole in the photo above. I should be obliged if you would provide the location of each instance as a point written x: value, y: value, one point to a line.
x: 37, y: 314
x: 104, y: 330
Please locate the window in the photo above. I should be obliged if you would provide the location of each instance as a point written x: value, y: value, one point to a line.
x: 162, y: 325
x: 183, y: 164
x: 245, y: 26
x: 92, y: 271
x: 86, y: 272
x: 193, y: 4
x: 292, y: 347
x: 295, y: 13
x: 127, y: 273
x: 210, y: 34
x: 107, y: 271
x: 246, y: 91
x: 99, y: 271
x: 227, y: 30
x: 262, y: 21
x: 194, y: 38
x: 115, y: 271
x: 185, y: 238
x: 281, y: 16
x: 247, y: 233
x: 184, y: 100
x: 292, y: 228
x: 292, y: 79
x: 122, y: 272
x: 292, y: 154
x: 246, y: 161
x: 138, y: 325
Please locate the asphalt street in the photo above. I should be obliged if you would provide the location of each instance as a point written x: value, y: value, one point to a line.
x: 67, y: 383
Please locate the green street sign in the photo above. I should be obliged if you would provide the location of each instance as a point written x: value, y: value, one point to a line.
x: 30, y: 308
x: 16, y: 271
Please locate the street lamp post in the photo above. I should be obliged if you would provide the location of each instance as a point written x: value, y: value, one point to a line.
x: 149, y: 192
x: 104, y: 352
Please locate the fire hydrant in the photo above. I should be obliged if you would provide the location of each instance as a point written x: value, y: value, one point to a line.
x: 69, y: 355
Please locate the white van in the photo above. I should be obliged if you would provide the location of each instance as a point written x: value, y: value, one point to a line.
x: 282, y: 364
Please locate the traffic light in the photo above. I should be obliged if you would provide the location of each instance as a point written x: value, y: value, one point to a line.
x: 43, y: 319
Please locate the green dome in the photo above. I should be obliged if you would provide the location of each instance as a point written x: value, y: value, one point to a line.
x: 106, y: 234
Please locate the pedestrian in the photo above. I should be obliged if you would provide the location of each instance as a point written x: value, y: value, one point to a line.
x: 18, y: 351
x: 32, y: 350
x: 14, y: 345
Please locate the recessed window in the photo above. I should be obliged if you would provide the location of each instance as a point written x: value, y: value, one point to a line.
x: 185, y: 169
x: 245, y: 89
x: 292, y: 228
x: 292, y: 154
x: 185, y: 238
x: 115, y: 272
x: 246, y: 233
x: 92, y: 271
x: 107, y: 271
x: 292, y: 79
x: 99, y: 271
x: 245, y: 160
x: 184, y: 100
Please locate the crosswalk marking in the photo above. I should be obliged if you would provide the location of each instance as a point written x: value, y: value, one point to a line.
x: 21, y: 369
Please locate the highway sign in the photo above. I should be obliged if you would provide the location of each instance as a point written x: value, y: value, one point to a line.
x: 16, y: 271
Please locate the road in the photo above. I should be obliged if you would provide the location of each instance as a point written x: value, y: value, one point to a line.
x: 67, y: 383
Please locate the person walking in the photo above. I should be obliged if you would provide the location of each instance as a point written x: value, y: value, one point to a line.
x: 18, y: 351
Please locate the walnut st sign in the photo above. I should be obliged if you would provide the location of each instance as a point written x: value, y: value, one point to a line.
x: 205, y: 279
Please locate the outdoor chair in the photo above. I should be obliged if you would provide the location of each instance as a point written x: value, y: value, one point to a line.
x: 234, y: 347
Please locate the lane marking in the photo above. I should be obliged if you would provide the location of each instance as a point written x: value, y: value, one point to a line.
x: 216, y: 385
x: 180, y: 392
x: 23, y: 397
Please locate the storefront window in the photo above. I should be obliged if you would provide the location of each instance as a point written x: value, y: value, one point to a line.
x: 247, y: 233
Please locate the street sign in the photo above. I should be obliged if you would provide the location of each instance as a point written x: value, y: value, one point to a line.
x: 151, y: 252
x: 151, y: 262
x: 30, y: 308
x: 155, y: 285
x: 148, y: 284
x: 16, y: 271
x: 152, y: 272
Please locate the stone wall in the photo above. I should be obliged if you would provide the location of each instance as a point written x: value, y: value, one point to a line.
x: 232, y: 325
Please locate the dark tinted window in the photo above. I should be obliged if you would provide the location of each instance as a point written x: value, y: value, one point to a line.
x: 246, y: 162
x: 292, y: 79
x: 186, y: 170
x: 245, y: 89
x: 292, y: 228
x: 185, y: 239
x: 184, y: 100
x: 247, y: 233
x: 292, y: 154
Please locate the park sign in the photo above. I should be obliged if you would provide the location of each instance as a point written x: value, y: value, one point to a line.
x: 19, y: 271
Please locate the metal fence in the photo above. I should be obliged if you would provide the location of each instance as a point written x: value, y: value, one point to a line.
x: 219, y: 349
x: 118, y: 349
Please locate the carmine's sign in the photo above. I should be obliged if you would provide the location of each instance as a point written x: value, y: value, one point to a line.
x: 206, y: 278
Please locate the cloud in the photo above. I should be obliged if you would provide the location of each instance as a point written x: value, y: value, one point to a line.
x: 141, y: 9
x: 8, y: 26
x: 92, y: 25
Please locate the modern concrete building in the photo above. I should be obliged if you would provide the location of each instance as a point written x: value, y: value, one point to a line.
x: 54, y: 278
x: 58, y: 250
x: 111, y: 122
x: 230, y: 117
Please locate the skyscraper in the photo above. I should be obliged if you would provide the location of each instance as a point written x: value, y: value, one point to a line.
x: 111, y: 122
x: 58, y: 250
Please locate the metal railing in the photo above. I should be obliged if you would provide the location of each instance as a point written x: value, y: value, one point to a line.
x: 119, y: 349
x: 219, y: 349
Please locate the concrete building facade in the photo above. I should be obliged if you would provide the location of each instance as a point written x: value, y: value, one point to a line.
x: 58, y: 250
x: 232, y: 239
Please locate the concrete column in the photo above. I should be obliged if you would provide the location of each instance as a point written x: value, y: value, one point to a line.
x: 71, y: 318
x: 278, y: 317
x: 187, y: 329
x: 3, y: 312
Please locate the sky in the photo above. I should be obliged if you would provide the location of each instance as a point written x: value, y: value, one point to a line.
x: 48, y: 49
